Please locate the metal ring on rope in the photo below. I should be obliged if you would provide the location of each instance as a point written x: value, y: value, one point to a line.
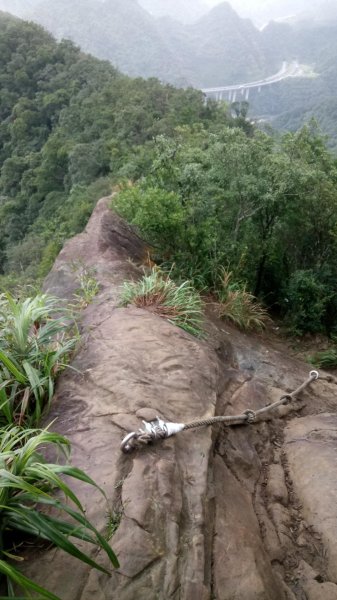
x: 127, y: 445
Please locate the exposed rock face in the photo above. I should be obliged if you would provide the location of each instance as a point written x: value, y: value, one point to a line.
x: 211, y: 514
x: 311, y: 447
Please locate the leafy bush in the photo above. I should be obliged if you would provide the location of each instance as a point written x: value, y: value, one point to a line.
x: 238, y: 305
x: 157, y: 213
x: 265, y: 208
x: 156, y: 292
x: 34, y: 348
x: 306, y: 301
x: 27, y: 482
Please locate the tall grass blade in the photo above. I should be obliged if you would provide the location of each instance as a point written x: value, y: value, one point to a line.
x: 12, y: 367
x: 26, y: 584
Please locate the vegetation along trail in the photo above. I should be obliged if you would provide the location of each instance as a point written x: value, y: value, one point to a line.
x: 163, y: 254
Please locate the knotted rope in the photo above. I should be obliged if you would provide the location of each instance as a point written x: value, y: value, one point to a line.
x: 159, y: 429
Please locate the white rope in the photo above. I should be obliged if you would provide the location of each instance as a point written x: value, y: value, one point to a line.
x: 160, y: 429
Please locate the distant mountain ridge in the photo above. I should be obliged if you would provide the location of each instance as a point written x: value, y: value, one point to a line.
x: 120, y: 31
x: 185, y: 11
x: 218, y: 46
x: 217, y: 49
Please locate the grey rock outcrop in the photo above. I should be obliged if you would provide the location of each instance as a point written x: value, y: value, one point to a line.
x: 211, y: 514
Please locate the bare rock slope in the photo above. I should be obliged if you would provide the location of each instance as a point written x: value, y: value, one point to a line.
x: 247, y: 513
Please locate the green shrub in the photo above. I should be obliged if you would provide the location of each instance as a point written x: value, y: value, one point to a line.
x: 326, y: 359
x: 158, y: 214
x: 27, y: 483
x: 236, y: 304
x: 306, y: 301
x: 156, y: 292
x: 49, y: 255
x: 34, y: 348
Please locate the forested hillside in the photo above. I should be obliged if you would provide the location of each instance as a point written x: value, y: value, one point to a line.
x: 67, y: 122
x: 208, y: 191
x: 294, y: 102
x: 223, y: 215
x: 218, y: 48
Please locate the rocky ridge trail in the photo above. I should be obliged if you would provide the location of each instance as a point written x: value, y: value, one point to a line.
x: 241, y: 513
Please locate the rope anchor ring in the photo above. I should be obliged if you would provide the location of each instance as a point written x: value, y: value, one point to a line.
x: 159, y: 429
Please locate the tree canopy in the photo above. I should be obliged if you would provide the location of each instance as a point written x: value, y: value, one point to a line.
x: 207, y: 189
x: 71, y: 126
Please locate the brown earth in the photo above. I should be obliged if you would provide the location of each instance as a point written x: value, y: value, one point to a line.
x: 242, y: 513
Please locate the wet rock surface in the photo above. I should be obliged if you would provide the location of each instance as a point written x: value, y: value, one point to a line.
x: 241, y: 513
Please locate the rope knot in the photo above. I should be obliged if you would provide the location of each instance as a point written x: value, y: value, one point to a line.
x: 250, y: 416
x: 286, y: 398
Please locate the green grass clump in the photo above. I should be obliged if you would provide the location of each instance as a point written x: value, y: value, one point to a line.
x: 326, y: 359
x: 27, y: 483
x: 238, y: 305
x: 88, y: 286
x: 34, y: 348
x: 158, y: 293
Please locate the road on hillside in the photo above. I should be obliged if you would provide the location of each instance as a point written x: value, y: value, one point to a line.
x: 287, y: 70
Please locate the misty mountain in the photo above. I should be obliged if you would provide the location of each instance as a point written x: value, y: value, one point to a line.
x: 120, y: 31
x: 227, y: 47
x: 185, y: 11
x: 219, y: 48
x: 261, y: 12
x: 294, y: 102
x: 323, y: 13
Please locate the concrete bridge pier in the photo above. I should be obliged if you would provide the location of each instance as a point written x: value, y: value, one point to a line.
x: 247, y: 94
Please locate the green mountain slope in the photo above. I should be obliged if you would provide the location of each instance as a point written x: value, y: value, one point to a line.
x: 67, y: 122
x: 117, y: 30
x: 226, y: 48
x: 294, y: 102
x: 207, y: 191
